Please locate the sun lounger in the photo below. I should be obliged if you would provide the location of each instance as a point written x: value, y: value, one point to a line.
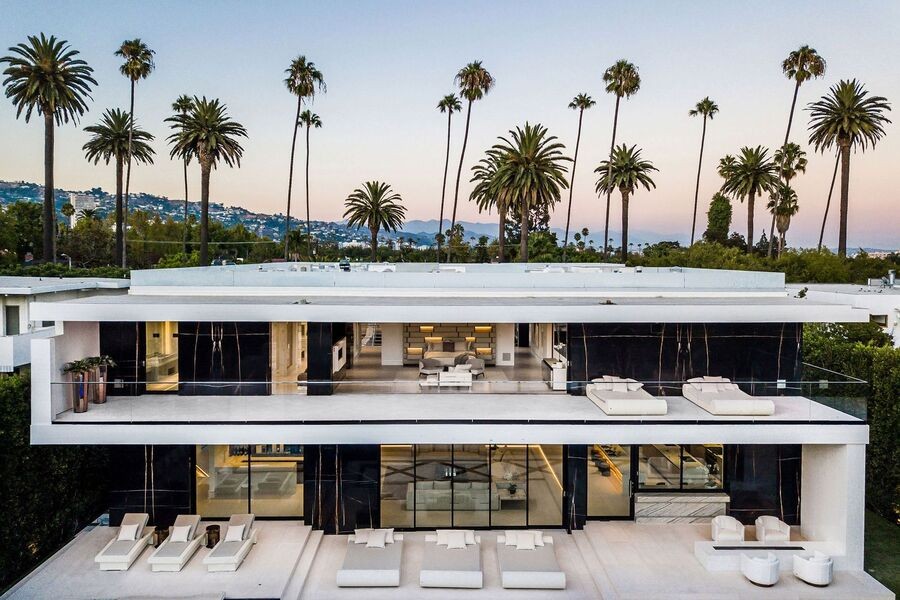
x: 617, y: 396
x: 530, y: 569
x: 719, y: 396
x: 121, y: 551
x: 232, y: 549
x: 371, y: 567
x: 177, y: 549
x: 445, y: 567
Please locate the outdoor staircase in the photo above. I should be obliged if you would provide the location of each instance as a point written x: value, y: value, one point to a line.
x: 304, y: 564
x: 598, y: 573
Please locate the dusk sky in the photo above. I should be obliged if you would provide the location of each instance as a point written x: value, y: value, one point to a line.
x: 387, y: 64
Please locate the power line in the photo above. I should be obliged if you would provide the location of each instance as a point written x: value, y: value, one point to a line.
x: 181, y: 243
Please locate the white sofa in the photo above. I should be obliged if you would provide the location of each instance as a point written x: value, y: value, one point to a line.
x: 120, y: 554
x: 617, y: 396
x: 465, y: 495
x: 173, y: 554
x: 228, y: 555
x: 727, y: 529
x: 772, y: 529
x: 817, y: 569
x: 719, y: 396
x: 760, y: 570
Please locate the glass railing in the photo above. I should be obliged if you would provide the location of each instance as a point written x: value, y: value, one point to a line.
x: 821, y: 396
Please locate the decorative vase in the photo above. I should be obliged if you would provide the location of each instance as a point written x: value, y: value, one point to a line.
x: 90, y: 378
x: 79, y: 391
x: 512, y: 489
x: 100, y: 384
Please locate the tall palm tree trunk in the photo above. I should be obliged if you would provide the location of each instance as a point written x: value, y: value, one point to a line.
x: 462, y: 156
x: 49, y: 216
x: 287, y: 216
x: 787, y: 135
x: 501, y: 235
x: 444, y: 188
x: 612, y: 146
x: 572, y: 186
x: 205, y: 169
x: 697, y: 186
x: 523, y: 233
x: 127, y: 179
x: 308, y: 227
x: 120, y: 238
x: 374, y: 244
x: 845, y: 199
x: 772, y: 234
x: 186, y: 225
x: 624, y: 226
x: 751, y: 198
x: 837, y: 161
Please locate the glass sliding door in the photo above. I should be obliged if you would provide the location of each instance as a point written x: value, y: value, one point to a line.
x: 609, y: 480
x: 434, y: 485
x: 276, y: 480
x: 161, y: 365
x: 509, y: 475
x: 398, y: 500
x: 545, y: 489
x: 223, y: 480
x: 472, y: 494
x: 289, y: 357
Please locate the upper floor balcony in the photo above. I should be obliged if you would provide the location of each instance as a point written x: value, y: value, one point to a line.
x: 15, y: 350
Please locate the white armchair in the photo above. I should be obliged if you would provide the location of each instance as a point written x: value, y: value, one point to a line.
x: 817, y: 569
x: 760, y: 570
x: 727, y: 529
x: 772, y: 529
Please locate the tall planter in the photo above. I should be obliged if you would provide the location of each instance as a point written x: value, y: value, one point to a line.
x: 78, y: 389
x: 101, y: 374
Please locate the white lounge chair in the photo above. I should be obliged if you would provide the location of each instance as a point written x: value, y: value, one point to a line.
x: 368, y: 566
x: 727, y: 529
x: 236, y: 542
x: 719, y: 396
x: 617, y: 396
x: 446, y: 567
x: 772, y: 529
x: 760, y: 570
x: 535, y: 568
x: 121, y: 551
x: 177, y: 549
x: 817, y: 569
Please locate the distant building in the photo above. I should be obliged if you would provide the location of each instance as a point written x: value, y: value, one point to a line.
x: 81, y: 202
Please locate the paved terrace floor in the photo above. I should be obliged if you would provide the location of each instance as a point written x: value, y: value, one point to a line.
x: 444, y: 406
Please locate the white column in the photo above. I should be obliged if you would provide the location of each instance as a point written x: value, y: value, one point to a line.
x: 391, y: 344
x: 506, y: 344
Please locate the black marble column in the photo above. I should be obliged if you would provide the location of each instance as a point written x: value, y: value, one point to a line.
x: 575, y: 486
x: 763, y: 480
x: 341, y: 487
x: 152, y: 479
x: 223, y: 359
x: 125, y: 342
x: 318, y: 366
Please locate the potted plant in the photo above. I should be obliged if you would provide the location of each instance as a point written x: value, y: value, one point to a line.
x: 78, y: 378
x: 100, y: 377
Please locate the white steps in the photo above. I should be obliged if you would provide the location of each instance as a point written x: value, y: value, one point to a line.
x: 301, y: 570
x: 598, y: 573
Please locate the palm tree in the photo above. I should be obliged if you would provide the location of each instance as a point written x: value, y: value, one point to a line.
x: 707, y: 109
x: 44, y: 75
x: 530, y: 173
x: 581, y: 102
x: 801, y: 64
x: 783, y: 204
x: 138, y: 65
x: 474, y: 82
x: 89, y: 214
x: 625, y: 171
x: 68, y: 211
x: 449, y: 104
x: 376, y: 206
x: 622, y: 79
x: 847, y: 117
x: 182, y: 106
x: 309, y: 120
x: 487, y: 195
x: 111, y: 140
x: 303, y: 79
x: 837, y: 162
x: 790, y: 160
x: 748, y: 176
x: 208, y: 133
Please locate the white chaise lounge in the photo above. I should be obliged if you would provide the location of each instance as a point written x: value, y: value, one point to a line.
x: 719, y: 396
x: 452, y: 559
x: 726, y: 529
x: 772, y: 529
x: 177, y: 549
x: 532, y: 568
x: 235, y: 544
x: 121, y: 551
x: 369, y: 564
x: 617, y: 396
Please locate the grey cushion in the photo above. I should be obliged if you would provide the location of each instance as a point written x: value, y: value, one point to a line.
x: 226, y: 549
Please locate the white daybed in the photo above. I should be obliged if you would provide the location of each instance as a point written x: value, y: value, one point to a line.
x: 367, y: 566
x: 177, y: 549
x: 719, y: 396
x: 617, y: 396
x: 130, y: 541
x: 446, y: 567
x: 234, y: 545
x: 529, y: 569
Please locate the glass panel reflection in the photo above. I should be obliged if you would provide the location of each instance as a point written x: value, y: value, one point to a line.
x: 397, y: 486
x: 161, y: 366
x: 660, y: 466
x: 545, y: 490
x: 276, y: 480
x: 609, y: 480
x: 472, y: 493
x: 223, y: 480
x: 434, y: 485
x: 509, y: 474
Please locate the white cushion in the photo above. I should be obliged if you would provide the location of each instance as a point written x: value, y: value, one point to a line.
x: 634, y: 386
x: 235, y: 533
x: 538, y: 537
x: 456, y: 540
x: 389, y: 535
x: 510, y: 537
x: 361, y: 536
x: 377, y: 538
x: 619, y: 386
x: 442, y: 536
x: 180, y: 533
x: 525, y: 542
x: 128, y: 533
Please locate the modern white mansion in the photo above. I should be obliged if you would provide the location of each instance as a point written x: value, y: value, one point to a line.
x: 506, y: 396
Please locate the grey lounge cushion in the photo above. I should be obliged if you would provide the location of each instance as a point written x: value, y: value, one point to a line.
x: 119, y: 549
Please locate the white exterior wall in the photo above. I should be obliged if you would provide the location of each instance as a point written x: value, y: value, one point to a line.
x: 392, y: 344
x: 48, y: 356
x: 833, y: 498
x: 506, y: 344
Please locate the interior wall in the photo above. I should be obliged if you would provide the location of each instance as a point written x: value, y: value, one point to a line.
x: 392, y: 344
x: 506, y: 344
x: 80, y: 340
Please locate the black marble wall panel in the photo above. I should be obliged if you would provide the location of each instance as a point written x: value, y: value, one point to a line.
x: 152, y: 479
x: 763, y: 480
x: 523, y: 335
x: 341, y: 488
x: 223, y: 359
x: 679, y: 351
x: 318, y: 366
x: 126, y: 343
x: 575, y: 486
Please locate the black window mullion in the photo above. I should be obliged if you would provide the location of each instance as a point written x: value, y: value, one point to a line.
x: 249, y: 476
x: 527, y: 483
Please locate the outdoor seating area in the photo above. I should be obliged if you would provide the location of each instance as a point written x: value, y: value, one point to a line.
x: 617, y: 396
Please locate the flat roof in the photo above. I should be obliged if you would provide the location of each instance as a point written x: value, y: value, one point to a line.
x: 29, y: 286
x: 848, y: 288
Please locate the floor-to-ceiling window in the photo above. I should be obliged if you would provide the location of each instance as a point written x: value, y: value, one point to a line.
x: 289, y: 357
x: 264, y: 479
x: 680, y: 467
x: 161, y: 364
x: 609, y: 480
x: 471, y: 485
